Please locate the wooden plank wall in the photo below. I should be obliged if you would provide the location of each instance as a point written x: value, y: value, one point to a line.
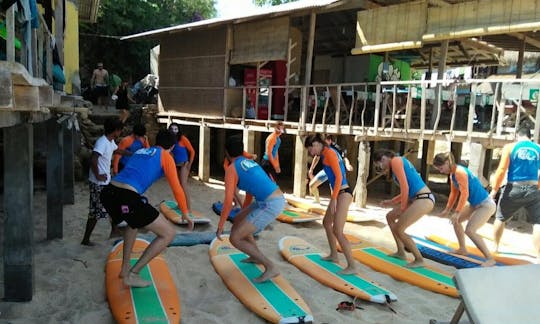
x: 191, y: 69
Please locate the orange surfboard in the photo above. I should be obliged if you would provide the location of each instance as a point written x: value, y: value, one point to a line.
x: 158, y: 303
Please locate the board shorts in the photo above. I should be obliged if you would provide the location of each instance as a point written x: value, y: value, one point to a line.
x: 101, y: 90
x: 269, y: 169
x: 513, y: 197
x: 95, y: 207
x: 265, y: 212
x: 127, y: 205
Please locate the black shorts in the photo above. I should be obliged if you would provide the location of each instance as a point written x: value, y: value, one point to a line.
x: 101, y: 91
x: 514, y: 197
x: 126, y: 205
x: 348, y: 189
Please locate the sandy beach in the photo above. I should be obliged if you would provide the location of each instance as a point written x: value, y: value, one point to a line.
x: 69, y: 277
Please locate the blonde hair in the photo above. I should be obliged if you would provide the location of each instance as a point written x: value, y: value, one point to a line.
x: 441, y: 159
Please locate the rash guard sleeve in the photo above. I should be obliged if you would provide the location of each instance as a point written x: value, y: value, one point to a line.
x: 123, y: 145
x: 331, y: 159
x: 169, y: 168
x: 463, y: 182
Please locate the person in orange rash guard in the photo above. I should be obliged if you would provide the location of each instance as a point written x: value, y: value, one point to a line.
x: 123, y: 200
x: 414, y: 201
x: 131, y: 143
x: 237, y: 198
x: 270, y: 160
x: 247, y: 175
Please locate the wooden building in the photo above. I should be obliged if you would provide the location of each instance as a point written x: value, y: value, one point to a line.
x: 33, y: 114
x: 321, y: 56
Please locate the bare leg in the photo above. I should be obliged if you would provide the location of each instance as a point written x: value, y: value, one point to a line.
x: 314, y: 189
x: 242, y: 238
x: 90, y: 225
x: 343, y: 203
x: 391, y: 219
x: 164, y: 234
x: 184, y: 175
x: 413, y: 213
x: 460, y: 233
x: 328, y: 224
x: 129, y: 239
x: 251, y: 239
x: 498, y: 229
x: 478, y: 218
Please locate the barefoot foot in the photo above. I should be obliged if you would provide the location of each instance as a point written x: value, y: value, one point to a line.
x: 489, y: 263
x: 267, y: 275
x: 88, y: 243
x: 332, y: 258
x: 459, y: 251
x: 348, y: 270
x: 135, y: 281
x: 250, y: 260
x: 398, y: 255
x: 415, y: 264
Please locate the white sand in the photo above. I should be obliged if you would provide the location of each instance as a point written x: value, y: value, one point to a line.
x: 69, y: 278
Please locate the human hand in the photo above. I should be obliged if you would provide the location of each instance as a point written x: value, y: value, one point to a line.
x: 218, y: 233
x: 444, y: 213
x: 254, y: 156
x: 278, y: 170
x: 189, y: 221
x: 102, y: 177
x: 386, y: 203
x: 454, y: 218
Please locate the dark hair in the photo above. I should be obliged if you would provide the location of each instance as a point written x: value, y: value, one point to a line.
x: 524, y: 131
x: 441, y: 159
x: 165, y: 139
x: 330, y: 137
x: 314, y: 138
x: 139, y: 130
x: 377, y: 156
x: 111, y: 125
x: 179, y: 134
x: 234, y: 146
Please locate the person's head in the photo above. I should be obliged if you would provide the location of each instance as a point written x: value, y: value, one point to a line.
x: 175, y: 129
x: 100, y: 66
x: 139, y: 130
x: 524, y: 132
x: 165, y: 139
x: 111, y: 125
x: 234, y: 147
x: 314, y: 144
x: 329, y: 139
x: 444, y: 162
x: 382, y: 159
x: 279, y: 127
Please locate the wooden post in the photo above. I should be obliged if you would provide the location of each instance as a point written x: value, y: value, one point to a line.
x: 476, y: 164
x: 204, y: 153
x: 470, y: 119
x: 228, y: 48
x: 69, y: 172
x: 18, y: 222
x: 10, y: 30
x: 249, y: 141
x: 428, y: 150
x: 219, y: 148
x: 521, y: 53
x: 311, y: 41
x: 300, y: 167
x: 59, y: 11
x: 55, y: 179
x: 537, y: 122
x: 360, y: 191
x: 440, y: 75
x: 377, y: 108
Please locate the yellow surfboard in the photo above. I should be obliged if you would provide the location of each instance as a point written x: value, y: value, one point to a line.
x: 353, y: 216
x: 274, y: 300
x: 307, y: 258
x: 293, y: 215
x: 158, y: 303
x: 379, y: 259
x: 171, y: 211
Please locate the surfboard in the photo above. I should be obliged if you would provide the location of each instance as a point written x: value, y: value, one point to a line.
x: 274, y: 300
x: 353, y: 216
x: 158, y: 303
x: 289, y: 215
x: 171, y: 211
x: 499, y: 257
x: 307, y: 258
x: 378, y: 258
x: 218, y: 206
x: 185, y: 239
x: 442, y: 254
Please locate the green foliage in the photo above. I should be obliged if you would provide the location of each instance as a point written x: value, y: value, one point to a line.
x: 271, y: 2
x: 130, y: 58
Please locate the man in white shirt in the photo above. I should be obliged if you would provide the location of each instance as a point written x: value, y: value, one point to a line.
x: 100, y: 174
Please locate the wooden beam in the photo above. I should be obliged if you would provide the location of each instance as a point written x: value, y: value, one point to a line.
x: 10, y: 31
x: 528, y: 40
x: 485, y: 46
x: 464, y: 51
x: 521, y: 54
x: 439, y: 3
x: 55, y: 179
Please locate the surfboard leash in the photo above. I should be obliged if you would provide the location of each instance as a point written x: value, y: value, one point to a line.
x: 388, y: 301
x: 349, y: 306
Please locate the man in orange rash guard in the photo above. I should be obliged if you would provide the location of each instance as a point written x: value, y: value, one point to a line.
x: 247, y: 175
x: 237, y: 198
x: 520, y: 162
x: 270, y: 160
x: 131, y: 143
x: 123, y: 200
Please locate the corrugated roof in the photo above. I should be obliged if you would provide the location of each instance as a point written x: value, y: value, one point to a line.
x: 301, y: 5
